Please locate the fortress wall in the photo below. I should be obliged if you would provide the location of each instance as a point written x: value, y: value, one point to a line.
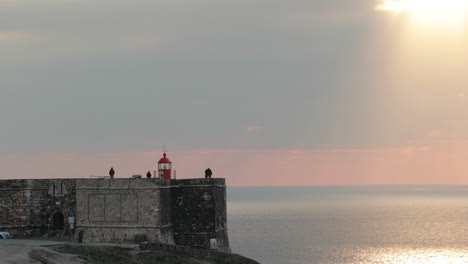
x: 27, y: 206
x: 188, y: 212
x: 199, y: 213
x: 118, y: 210
x: 13, y: 203
x: 167, y: 234
x: 221, y: 227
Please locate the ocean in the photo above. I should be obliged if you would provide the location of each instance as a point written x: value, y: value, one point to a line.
x: 397, y: 224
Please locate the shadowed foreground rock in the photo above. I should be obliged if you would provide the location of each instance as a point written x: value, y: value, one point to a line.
x: 101, y: 254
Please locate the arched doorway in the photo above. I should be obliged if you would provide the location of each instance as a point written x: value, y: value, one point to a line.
x: 57, y: 223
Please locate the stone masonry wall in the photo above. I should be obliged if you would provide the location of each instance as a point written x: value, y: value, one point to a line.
x: 188, y: 212
x: 119, y: 210
x: 165, y: 210
x: 27, y: 207
x: 199, y: 213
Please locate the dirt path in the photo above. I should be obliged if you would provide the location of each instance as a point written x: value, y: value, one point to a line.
x: 16, y: 250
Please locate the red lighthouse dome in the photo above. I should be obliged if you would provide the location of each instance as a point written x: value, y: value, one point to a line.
x: 164, y: 159
x: 165, y: 167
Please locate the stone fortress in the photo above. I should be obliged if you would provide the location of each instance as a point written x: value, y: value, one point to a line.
x: 187, y: 212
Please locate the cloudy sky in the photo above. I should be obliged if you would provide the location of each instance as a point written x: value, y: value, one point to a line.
x: 264, y: 92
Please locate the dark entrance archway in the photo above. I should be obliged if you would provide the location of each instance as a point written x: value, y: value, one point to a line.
x: 58, y: 222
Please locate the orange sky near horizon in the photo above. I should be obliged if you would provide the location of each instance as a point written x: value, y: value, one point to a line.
x: 443, y: 164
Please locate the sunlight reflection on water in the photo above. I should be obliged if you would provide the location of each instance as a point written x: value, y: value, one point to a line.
x: 350, y: 225
x: 413, y: 256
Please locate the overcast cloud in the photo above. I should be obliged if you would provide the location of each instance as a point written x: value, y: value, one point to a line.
x: 119, y: 76
x: 132, y: 75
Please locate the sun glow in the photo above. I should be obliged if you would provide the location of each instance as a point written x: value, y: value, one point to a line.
x: 441, y: 14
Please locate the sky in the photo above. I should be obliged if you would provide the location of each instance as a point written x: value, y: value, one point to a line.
x: 264, y: 92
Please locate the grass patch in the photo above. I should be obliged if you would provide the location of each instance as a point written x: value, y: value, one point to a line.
x: 39, y: 259
x: 98, y: 255
x: 165, y: 257
x: 120, y: 255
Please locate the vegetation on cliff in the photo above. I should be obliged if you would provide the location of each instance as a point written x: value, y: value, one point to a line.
x: 92, y: 254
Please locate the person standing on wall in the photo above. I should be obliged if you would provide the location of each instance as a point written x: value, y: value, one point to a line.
x: 208, y: 173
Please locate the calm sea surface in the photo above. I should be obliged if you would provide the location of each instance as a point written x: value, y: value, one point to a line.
x: 350, y: 224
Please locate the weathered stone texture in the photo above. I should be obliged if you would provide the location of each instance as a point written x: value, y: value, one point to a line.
x: 199, y: 212
x: 27, y: 207
x: 185, y: 212
x: 118, y: 210
x: 165, y: 210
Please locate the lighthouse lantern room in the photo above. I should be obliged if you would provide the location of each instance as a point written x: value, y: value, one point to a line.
x: 165, y: 167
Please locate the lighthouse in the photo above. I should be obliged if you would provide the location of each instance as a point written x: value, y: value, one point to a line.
x: 165, y: 167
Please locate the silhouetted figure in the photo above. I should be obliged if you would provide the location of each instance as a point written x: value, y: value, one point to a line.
x: 111, y: 173
x: 208, y: 173
x: 148, y: 174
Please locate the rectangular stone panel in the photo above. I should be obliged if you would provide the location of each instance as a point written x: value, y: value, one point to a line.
x: 96, y: 207
x: 129, y: 211
x: 113, y: 207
